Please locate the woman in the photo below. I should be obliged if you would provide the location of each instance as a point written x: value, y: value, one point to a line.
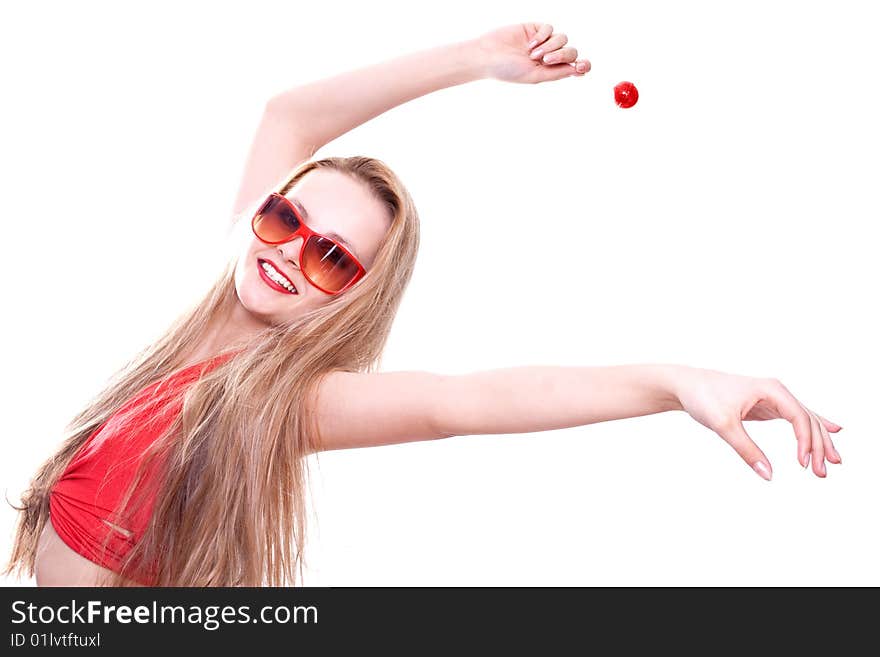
x: 189, y: 469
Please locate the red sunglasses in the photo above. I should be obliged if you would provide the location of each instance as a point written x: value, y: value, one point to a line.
x: 326, y: 264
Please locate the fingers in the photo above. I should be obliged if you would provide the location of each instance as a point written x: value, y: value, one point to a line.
x: 828, y: 424
x: 791, y: 409
x: 561, y: 56
x: 818, y: 453
x: 831, y: 453
x: 551, y: 50
x: 811, y: 430
x: 542, y: 31
x: 582, y: 66
x: 735, y: 435
x: 830, y: 448
x: 548, y: 49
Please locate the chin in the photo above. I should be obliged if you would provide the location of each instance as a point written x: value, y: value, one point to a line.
x: 270, y: 307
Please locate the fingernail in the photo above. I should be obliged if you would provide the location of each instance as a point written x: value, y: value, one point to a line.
x: 581, y: 67
x: 822, y: 469
x: 533, y: 43
x: 762, y: 469
x: 537, y: 53
x: 806, y: 461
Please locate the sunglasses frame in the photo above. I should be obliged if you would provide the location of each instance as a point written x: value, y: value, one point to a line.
x: 307, y: 233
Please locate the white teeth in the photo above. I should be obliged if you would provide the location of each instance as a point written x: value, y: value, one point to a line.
x: 278, y: 278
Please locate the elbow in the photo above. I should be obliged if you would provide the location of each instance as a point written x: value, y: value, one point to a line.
x: 277, y: 107
x: 283, y: 106
x: 273, y: 106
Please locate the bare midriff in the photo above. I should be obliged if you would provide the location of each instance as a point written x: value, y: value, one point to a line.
x: 58, y: 565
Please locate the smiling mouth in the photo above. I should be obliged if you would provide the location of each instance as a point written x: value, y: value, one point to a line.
x: 275, y: 279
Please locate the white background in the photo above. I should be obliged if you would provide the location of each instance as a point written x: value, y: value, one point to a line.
x: 728, y: 220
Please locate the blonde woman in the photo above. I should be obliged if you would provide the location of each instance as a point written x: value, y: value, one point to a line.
x: 189, y: 469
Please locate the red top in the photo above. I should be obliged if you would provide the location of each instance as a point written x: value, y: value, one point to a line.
x: 91, y: 487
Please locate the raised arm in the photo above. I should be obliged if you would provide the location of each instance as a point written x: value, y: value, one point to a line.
x: 366, y: 410
x: 298, y: 122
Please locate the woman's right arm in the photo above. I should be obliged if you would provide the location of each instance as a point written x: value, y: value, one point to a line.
x: 367, y: 410
x: 299, y: 121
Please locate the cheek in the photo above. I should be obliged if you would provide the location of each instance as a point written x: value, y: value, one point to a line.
x: 248, y: 283
x: 245, y: 266
x: 243, y: 285
x: 251, y: 288
x: 256, y: 297
x: 245, y: 255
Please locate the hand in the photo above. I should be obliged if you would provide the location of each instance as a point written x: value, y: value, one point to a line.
x: 721, y: 401
x: 529, y: 53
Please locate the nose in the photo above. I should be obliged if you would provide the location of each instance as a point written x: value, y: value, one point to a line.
x: 290, y: 250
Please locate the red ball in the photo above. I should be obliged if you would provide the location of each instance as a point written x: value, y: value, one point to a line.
x: 626, y: 95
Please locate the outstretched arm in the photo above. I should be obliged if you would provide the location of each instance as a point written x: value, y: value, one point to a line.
x: 365, y: 410
x: 297, y: 122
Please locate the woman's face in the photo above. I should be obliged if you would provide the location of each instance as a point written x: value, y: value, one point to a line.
x: 335, y: 203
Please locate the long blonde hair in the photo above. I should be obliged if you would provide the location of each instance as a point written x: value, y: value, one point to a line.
x: 230, y: 506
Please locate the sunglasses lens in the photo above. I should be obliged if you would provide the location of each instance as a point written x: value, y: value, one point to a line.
x: 275, y: 221
x: 327, y: 264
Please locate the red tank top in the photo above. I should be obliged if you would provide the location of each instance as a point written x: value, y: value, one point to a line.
x: 86, y: 495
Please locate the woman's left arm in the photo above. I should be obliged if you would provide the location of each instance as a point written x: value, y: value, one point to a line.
x: 553, y: 397
x: 299, y: 121
x: 356, y: 409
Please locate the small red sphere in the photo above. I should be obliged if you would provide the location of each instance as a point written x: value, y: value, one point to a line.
x: 625, y: 94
